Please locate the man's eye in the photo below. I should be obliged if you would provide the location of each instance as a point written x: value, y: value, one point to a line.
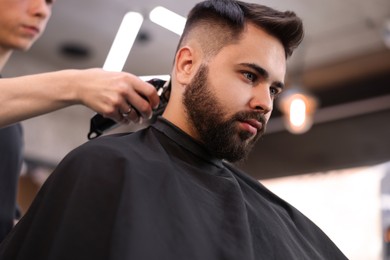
x: 275, y: 91
x: 250, y: 76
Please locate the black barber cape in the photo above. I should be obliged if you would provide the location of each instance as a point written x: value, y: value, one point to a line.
x: 158, y: 194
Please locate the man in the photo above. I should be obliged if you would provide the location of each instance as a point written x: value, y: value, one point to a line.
x: 166, y: 192
x: 108, y: 93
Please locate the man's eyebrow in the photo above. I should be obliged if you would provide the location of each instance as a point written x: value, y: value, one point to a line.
x: 263, y: 73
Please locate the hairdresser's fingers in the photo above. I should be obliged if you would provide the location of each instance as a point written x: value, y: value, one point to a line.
x: 143, y: 97
x: 131, y: 116
x: 111, y: 93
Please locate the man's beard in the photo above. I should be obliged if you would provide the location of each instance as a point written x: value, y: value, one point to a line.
x: 221, y: 136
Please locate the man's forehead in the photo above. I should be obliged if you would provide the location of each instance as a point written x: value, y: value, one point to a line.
x: 267, y: 53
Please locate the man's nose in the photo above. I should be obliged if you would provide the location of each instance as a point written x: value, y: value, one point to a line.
x: 40, y: 8
x: 262, y: 99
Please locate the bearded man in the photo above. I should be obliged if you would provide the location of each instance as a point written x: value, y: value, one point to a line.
x: 168, y: 191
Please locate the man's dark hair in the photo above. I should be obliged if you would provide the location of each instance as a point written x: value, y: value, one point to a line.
x: 223, y: 21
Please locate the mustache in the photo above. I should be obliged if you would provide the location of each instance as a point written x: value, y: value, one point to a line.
x: 251, y: 115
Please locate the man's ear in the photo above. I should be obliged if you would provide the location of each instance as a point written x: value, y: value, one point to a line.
x: 185, y: 65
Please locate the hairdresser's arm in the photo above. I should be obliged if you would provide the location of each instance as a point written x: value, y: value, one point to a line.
x: 107, y: 93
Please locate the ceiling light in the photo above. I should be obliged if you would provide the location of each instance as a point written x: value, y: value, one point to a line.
x: 386, y: 32
x: 123, y: 41
x: 298, y: 108
x: 168, y: 19
x: 149, y: 77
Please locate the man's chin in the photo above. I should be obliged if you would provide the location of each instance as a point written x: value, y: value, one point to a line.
x: 25, y: 44
x: 23, y: 47
x: 247, y: 137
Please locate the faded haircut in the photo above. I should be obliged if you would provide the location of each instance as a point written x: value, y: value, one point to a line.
x: 217, y: 23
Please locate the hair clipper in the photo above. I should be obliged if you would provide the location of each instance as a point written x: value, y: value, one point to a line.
x: 100, y: 124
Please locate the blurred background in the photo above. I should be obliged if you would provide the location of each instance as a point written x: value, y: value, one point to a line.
x: 335, y: 172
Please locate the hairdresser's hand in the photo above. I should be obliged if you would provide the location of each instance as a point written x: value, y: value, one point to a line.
x: 107, y: 93
x: 113, y: 94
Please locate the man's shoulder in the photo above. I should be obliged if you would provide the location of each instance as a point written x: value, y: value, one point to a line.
x: 114, y: 142
x: 114, y: 147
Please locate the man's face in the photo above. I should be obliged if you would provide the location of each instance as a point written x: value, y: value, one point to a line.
x: 22, y: 22
x: 215, y: 128
x: 230, y: 100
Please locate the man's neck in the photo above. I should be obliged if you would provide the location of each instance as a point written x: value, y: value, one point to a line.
x: 176, y: 115
x: 4, y: 56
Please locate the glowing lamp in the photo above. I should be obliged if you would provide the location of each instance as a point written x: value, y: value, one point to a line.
x: 298, y: 108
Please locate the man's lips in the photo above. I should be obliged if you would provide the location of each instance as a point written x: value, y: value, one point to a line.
x: 30, y: 29
x: 252, y: 125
